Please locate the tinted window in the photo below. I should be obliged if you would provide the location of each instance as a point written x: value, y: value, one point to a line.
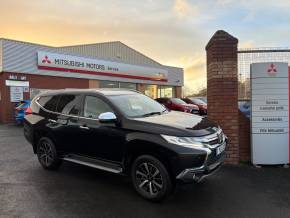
x: 177, y: 101
x: 163, y: 100
x: 197, y: 101
x: 69, y: 104
x: 94, y: 107
x: 108, y: 84
x: 49, y: 102
x: 128, y: 85
x: 187, y: 101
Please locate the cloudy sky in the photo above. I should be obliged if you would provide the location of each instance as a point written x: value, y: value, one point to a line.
x: 173, y: 32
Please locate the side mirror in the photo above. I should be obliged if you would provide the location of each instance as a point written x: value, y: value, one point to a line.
x: 107, y: 117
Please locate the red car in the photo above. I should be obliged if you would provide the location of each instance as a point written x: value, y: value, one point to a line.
x: 176, y: 104
x: 198, y: 102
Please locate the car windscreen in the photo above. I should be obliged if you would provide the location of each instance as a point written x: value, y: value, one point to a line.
x: 137, y: 105
x: 197, y: 101
x: 177, y: 101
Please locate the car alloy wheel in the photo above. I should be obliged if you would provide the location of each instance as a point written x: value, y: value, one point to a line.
x: 45, y: 153
x: 149, y: 178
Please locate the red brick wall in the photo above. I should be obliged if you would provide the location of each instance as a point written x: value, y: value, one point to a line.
x: 3, y: 94
x: 222, y: 89
x: 244, y: 138
x: 178, y: 92
x: 35, y: 81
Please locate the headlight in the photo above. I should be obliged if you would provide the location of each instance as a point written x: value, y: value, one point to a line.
x: 190, y: 142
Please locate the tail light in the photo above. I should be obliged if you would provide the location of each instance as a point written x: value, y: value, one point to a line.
x: 28, y: 111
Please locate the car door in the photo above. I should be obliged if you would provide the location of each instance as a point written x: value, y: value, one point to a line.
x: 66, y: 129
x: 100, y: 140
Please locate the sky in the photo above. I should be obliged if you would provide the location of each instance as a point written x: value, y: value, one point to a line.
x: 172, y: 32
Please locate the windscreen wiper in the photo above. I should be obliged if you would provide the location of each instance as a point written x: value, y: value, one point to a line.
x: 151, y: 114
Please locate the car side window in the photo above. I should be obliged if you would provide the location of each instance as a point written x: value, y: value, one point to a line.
x: 94, y: 106
x: 49, y: 102
x: 69, y: 104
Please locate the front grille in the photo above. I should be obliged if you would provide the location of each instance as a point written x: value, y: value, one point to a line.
x: 219, y: 139
x: 213, y: 158
x: 214, y: 142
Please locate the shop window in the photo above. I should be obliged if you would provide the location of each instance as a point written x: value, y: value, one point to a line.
x: 112, y: 84
x: 109, y: 84
x: 128, y: 85
x: 151, y: 91
x: 166, y: 91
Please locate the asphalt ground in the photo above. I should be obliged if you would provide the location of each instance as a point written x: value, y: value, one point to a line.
x: 26, y: 190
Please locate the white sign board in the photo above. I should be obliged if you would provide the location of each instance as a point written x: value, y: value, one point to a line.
x: 270, y: 113
x: 17, y: 83
x: 75, y: 64
x: 16, y: 94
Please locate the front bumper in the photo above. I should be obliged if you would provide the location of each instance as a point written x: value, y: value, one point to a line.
x: 211, y: 165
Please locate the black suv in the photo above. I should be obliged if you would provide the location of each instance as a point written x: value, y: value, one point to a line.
x: 125, y: 132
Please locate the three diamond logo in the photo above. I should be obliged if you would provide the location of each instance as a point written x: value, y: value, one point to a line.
x: 46, y: 60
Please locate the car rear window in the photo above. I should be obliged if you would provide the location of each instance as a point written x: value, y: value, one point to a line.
x: 69, y: 104
x: 49, y: 102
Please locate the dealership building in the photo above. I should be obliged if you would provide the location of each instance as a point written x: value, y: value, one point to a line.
x: 27, y: 69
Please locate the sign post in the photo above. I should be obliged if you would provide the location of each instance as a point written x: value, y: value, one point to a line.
x: 270, y: 113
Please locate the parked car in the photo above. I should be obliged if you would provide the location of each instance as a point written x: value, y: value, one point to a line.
x: 176, y: 104
x: 245, y: 107
x: 127, y: 133
x: 20, y: 110
x: 202, y: 106
x: 203, y: 98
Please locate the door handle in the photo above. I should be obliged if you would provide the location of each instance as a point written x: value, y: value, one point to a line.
x: 84, y: 127
x: 51, y: 121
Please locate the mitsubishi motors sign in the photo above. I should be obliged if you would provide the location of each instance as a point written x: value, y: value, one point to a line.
x: 75, y: 64
x: 270, y: 113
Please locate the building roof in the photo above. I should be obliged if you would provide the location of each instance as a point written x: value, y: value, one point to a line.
x: 115, y: 51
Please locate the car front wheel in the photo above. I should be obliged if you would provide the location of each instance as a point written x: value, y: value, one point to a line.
x: 151, y: 178
x: 47, y: 155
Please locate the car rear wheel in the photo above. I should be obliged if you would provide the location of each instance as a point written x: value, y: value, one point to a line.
x: 150, y: 178
x: 47, y: 154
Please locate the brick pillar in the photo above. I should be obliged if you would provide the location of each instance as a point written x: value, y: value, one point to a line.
x: 141, y: 88
x: 178, y: 92
x: 222, y: 88
x: 94, y: 84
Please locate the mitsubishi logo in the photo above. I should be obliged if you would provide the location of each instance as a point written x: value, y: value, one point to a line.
x: 272, y: 69
x: 46, y: 60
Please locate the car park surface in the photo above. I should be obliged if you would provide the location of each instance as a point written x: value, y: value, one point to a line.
x: 26, y: 190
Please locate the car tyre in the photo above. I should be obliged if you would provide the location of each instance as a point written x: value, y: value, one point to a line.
x: 47, y: 155
x: 150, y: 178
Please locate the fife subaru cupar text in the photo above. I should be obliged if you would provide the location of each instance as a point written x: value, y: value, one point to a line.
x: 124, y: 132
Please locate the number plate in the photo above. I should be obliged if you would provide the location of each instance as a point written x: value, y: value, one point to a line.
x: 220, y: 149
